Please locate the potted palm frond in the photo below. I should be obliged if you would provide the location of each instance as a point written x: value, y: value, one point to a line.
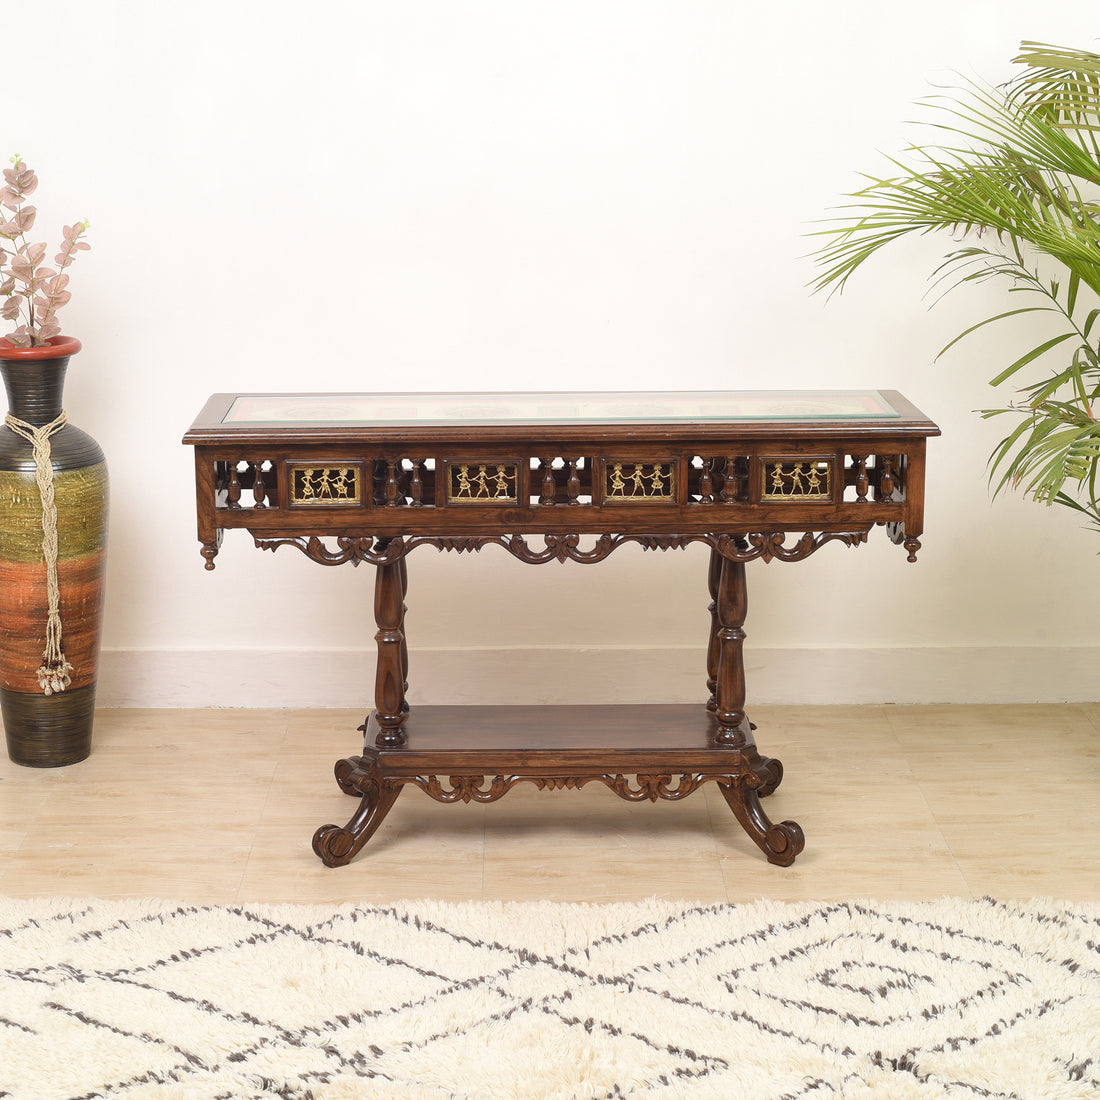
x: 1015, y: 186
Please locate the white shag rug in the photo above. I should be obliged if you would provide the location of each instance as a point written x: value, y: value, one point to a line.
x: 418, y: 1000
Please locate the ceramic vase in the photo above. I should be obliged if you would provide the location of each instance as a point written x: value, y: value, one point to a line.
x: 50, y: 599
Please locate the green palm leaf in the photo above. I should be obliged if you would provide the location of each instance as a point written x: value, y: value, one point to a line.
x: 1015, y: 184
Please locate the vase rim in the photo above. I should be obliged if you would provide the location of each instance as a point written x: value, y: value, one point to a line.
x: 54, y: 348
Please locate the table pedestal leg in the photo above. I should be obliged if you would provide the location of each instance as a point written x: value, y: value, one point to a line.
x: 358, y: 775
x: 390, y: 682
x: 731, y: 604
x: 726, y: 671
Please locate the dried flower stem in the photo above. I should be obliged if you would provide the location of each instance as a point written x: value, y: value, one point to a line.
x: 26, y: 282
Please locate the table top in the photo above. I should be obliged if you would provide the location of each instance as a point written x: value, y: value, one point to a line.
x: 239, y: 415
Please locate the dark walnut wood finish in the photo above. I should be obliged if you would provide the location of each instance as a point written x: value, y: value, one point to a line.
x: 545, y: 488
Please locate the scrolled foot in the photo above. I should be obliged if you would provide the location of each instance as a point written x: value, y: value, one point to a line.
x: 780, y: 843
x: 337, y: 846
x: 334, y: 844
x: 783, y: 842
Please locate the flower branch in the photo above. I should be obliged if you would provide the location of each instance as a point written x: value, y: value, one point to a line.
x: 31, y: 291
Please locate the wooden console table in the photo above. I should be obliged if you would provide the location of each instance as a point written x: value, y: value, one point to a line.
x: 560, y: 477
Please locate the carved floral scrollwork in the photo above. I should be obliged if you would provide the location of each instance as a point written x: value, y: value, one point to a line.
x: 653, y: 787
x: 353, y: 550
x: 482, y: 788
x: 765, y: 545
x: 771, y: 545
x: 464, y: 788
x: 555, y: 547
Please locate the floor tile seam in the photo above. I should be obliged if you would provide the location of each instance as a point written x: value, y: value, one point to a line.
x: 948, y: 847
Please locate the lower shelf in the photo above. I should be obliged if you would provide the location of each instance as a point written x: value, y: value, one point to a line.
x: 443, y: 737
x: 478, y: 754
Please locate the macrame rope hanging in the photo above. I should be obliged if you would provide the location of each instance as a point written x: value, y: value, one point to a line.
x: 54, y: 675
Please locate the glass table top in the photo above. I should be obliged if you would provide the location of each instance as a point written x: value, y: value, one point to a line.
x: 558, y: 408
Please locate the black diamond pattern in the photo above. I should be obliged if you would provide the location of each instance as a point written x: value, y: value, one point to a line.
x: 768, y: 1001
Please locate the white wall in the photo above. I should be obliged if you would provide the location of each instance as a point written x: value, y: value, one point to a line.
x: 441, y: 194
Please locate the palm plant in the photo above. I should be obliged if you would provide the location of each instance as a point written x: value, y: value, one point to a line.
x: 1016, y: 185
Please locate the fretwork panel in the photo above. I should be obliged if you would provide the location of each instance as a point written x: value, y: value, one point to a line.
x: 404, y: 482
x: 722, y: 479
x: 871, y: 477
x: 246, y: 483
x: 559, y: 480
x: 554, y: 481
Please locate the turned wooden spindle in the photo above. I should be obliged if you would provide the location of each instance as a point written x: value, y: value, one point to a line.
x: 389, y: 685
x: 729, y: 482
x: 233, y: 495
x: 713, y: 643
x: 549, y: 487
x: 886, y: 481
x: 731, y: 608
x: 706, y: 484
x: 259, y: 490
x: 416, y: 485
x: 391, y: 484
x: 403, y: 577
x: 573, y: 485
x: 862, y: 481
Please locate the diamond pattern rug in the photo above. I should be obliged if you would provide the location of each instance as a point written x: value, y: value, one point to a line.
x: 769, y: 1001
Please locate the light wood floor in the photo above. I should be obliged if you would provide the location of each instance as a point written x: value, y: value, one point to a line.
x: 219, y: 806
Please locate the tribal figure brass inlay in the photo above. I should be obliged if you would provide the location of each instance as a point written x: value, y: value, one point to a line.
x: 482, y: 482
x: 797, y: 479
x: 321, y: 486
x: 638, y: 481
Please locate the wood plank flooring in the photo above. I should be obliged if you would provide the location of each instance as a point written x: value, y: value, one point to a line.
x: 219, y: 806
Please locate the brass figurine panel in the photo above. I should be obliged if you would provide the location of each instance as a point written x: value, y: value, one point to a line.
x: 626, y: 482
x: 320, y: 485
x: 483, y: 483
x: 797, y: 479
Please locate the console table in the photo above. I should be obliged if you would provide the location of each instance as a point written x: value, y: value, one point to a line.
x: 353, y: 478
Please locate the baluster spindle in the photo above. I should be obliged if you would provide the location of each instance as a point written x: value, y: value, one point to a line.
x: 886, y: 482
x: 391, y: 484
x: 416, y: 485
x: 573, y: 485
x: 729, y: 482
x: 706, y: 485
x: 549, y: 488
x: 259, y: 490
x: 862, y: 481
x: 233, y: 494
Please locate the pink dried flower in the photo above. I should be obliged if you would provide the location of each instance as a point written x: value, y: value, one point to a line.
x: 30, y: 290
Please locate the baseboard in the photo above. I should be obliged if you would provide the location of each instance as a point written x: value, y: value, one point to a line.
x: 344, y: 678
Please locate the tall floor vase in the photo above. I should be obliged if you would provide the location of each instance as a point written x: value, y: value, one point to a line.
x: 53, y: 544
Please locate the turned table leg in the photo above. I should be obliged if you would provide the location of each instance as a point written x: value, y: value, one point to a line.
x: 759, y: 775
x: 731, y: 604
x: 390, y: 682
x: 360, y: 775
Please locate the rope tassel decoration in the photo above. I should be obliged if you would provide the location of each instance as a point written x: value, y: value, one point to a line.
x: 53, y: 676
